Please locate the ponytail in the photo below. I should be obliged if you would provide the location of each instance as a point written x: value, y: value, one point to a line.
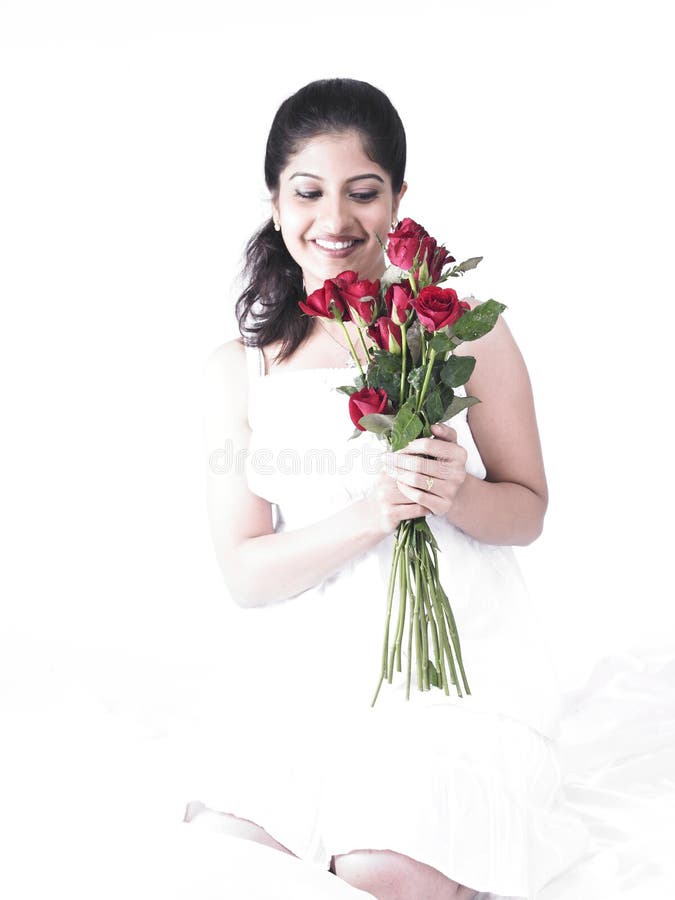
x: 274, y: 281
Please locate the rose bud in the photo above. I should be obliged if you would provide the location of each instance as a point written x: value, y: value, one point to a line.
x: 360, y: 297
x: 386, y: 334
x: 326, y: 302
x: 440, y: 259
x: 366, y: 401
x: 397, y: 301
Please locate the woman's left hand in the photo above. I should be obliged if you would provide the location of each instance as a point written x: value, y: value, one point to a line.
x: 434, y: 482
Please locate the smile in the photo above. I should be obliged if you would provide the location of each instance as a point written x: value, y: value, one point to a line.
x: 335, y: 245
x: 336, y: 249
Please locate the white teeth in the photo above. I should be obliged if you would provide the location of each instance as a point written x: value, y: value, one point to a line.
x: 331, y: 245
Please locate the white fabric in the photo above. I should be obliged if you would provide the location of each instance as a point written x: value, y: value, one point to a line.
x: 101, y: 750
x: 465, y: 784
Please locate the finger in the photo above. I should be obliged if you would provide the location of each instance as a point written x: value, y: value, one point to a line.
x: 425, y: 483
x: 395, y: 463
x: 443, y: 431
x: 412, y: 510
x: 424, y: 499
x: 438, y: 446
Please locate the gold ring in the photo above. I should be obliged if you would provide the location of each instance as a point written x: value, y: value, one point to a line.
x: 430, y: 483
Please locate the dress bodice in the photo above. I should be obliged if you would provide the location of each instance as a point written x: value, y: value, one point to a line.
x: 302, y: 456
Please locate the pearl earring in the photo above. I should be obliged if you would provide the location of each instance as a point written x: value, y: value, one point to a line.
x: 277, y: 226
x: 394, y: 224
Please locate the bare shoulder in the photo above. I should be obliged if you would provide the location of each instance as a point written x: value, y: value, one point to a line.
x: 496, y: 353
x: 227, y: 358
x: 225, y: 380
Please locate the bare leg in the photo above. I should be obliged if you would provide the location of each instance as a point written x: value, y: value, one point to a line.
x: 393, y: 876
x: 226, y: 823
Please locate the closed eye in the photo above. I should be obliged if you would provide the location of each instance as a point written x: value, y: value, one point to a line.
x: 310, y: 195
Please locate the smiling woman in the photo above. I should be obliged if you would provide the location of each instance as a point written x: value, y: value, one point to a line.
x: 342, y: 223
x: 437, y: 796
x: 329, y: 217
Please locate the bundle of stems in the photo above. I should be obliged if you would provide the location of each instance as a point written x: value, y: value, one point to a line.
x: 431, y: 624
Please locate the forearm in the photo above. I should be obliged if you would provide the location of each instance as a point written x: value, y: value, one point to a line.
x: 274, y: 567
x: 498, y: 513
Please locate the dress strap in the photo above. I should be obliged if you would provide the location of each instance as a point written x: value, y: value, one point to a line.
x: 255, y: 362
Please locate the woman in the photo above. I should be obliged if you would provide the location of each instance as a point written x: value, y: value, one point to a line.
x: 434, y: 797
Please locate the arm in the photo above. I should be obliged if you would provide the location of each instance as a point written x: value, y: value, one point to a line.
x: 508, y: 507
x: 259, y: 565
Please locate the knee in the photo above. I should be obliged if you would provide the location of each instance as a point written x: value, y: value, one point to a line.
x: 392, y: 876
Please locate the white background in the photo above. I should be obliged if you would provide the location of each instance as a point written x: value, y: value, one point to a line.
x: 131, y: 177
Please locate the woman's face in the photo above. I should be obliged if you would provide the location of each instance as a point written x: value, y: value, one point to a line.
x: 332, y: 192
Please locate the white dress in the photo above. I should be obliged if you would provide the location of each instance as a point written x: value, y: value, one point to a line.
x: 467, y: 785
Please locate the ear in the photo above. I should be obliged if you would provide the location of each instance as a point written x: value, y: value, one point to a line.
x: 398, y: 198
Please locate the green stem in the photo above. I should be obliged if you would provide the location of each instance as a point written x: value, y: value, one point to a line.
x: 420, y: 633
x: 363, y: 344
x: 411, y: 624
x: 427, y: 376
x: 453, y: 626
x: 404, y: 360
x: 417, y: 628
x: 397, y: 550
x: 403, y: 592
x: 351, y: 348
x: 434, y: 633
x: 424, y: 622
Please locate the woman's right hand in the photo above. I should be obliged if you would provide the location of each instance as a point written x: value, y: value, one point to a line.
x: 388, y: 506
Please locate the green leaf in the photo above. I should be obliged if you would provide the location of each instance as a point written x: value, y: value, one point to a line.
x: 388, y: 362
x: 457, y: 370
x: 458, y: 404
x: 433, y: 405
x: 433, y: 674
x: 380, y: 423
x: 407, y: 425
x: 414, y: 340
x: 465, y: 266
x: 447, y: 394
x: 385, y: 381
x: 348, y: 389
x: 416, y: 377
x: 478, y: 321
x: 441, y: 342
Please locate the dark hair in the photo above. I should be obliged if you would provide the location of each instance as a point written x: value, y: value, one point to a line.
x: 272, y: 277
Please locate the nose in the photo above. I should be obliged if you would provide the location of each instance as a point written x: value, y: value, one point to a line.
x: 335, y: 216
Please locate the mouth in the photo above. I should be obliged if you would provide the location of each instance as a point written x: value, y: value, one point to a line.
x: 337, y: 249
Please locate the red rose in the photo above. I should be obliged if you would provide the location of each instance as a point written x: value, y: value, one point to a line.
x: 397, y: 301
x: 440, y: 258
x: 386, y: 334
x: 361, y: 297
x: 326, y: 302
x: 436, y: 257
x: 437, y: 307
x: 410, y: 238
x: 366, y: 401
x: 404, y: 242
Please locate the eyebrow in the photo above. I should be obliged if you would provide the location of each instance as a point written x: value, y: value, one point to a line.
x: 353, y: 178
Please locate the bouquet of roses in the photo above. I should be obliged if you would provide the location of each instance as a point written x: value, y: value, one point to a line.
x: 408, y: 385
